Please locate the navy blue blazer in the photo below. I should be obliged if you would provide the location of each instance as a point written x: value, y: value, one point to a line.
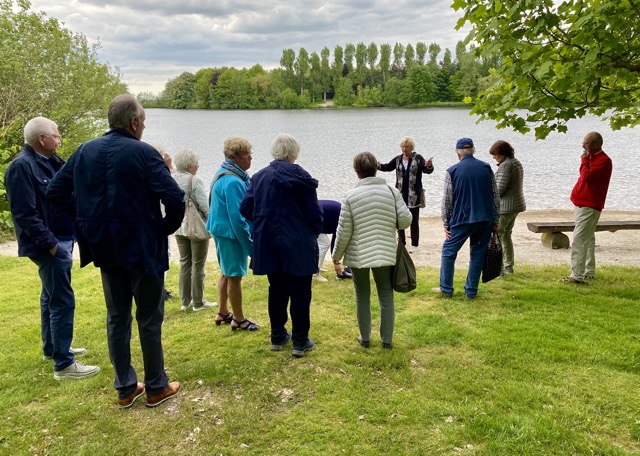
x: 121, y: 182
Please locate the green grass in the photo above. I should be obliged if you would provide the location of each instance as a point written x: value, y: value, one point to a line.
x: 531, y: 367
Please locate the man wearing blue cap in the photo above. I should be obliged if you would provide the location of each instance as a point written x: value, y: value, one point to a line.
x: 470, y: 207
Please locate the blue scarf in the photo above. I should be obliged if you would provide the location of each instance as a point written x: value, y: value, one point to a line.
x: 230, y: 165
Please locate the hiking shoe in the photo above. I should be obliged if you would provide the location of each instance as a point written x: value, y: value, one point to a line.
x: 569, y: 279
x: 319, y: 278
x: 169, y: 391
x: 364, y: 343
x: 299, y: 352
x: 387, y: 345
x: 131, y: 398
x: 74, y: 351
x: 75, y: 371
x: 280, y: 346
x: 205, y: 305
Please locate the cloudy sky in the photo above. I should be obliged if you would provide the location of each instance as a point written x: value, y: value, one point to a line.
x: 152, y: 41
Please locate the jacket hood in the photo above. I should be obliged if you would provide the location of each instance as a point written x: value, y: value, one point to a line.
x: 290, y: 176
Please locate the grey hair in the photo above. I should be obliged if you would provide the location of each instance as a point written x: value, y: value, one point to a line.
x: 36, y: 127
x: 466, y: 151
x: 185, y: 159
x: 285, y: 147
x: 122, y: 109
x: 236, y: 145
x: 408, y: 140
x: 365, y: 165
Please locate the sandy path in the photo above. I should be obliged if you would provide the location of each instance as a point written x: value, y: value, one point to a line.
x: 620, y: 248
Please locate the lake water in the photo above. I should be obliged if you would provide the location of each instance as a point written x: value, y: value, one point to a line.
x: 330, y: 139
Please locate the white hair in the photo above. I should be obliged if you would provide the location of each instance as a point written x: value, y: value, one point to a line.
x: 466, y: 151
x: 285, y: 147
x: 184, y: 159
x: 36, y: 127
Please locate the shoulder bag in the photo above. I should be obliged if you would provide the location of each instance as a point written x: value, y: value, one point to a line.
x: 492, y: 267
x: 196, y: 231
x: 403, y: 278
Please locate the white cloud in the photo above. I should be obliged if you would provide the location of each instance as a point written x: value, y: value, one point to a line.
x: 152, y: 41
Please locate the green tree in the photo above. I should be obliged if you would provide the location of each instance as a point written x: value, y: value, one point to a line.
x: 372, y: 59
x: 561, y: 60
x: 349, y: 54
x: 397, y: 67
x: 302, y: 69
x: 325, y: 72
x: 345, y: 95
x: 47, y: 70
x: 396, y: 92
x: 421, y: 52
x: 178, y: 92
x: 421, y: 81
x: 385, y: 62
x: 287, y: 62
x: 409, y: 57
x: 233, y: 90
x: 202, y: 88
x: 336, y: 68
x: 361, y: 64
x: 434, y: 50
x: 315, y: 75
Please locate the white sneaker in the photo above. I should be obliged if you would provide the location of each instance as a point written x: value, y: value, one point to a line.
x: 205, y: 305
x: 75, y: 371
x: 319, y: 278
x: 186, y: 307
x: 74, y: 351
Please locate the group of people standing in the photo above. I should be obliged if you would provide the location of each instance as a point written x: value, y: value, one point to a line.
x: 117, y: 197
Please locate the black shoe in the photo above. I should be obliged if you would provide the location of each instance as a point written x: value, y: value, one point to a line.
x: 345, y: 275
x: 299, y: 352
x: 168, y: 295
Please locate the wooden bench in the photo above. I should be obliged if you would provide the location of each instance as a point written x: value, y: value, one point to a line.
x: 553, y: 232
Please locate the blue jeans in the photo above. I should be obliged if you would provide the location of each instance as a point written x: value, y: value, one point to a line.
x: 120, y: 288
x: 479, y: 234
x: 57, y: 304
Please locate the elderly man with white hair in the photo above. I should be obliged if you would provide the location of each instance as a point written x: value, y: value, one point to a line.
x: 470, y: 206
x: 45, y: 235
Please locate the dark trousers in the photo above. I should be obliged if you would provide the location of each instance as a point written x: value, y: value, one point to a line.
x: 415, y: 228
x: 120, y: 288
x: 282, y: 288
x: 57, y: 304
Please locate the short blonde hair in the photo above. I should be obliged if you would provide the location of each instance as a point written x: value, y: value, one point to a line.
x: 408, y: 140
x: 285, y: 147
x: 185, y: 159
x: 236, y: 145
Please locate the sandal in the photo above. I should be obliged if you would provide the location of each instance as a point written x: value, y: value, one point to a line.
x: 245, y: 325
x: 226, y: 318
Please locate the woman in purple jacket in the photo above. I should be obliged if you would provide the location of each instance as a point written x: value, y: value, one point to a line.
x: 283, y: 204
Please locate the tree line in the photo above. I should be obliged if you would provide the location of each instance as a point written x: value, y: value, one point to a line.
x: 357, y: 75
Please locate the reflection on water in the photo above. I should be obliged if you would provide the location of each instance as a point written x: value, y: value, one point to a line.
x: 330, y: 139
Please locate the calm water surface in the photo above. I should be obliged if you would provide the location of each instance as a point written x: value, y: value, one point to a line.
x: 330, y: 139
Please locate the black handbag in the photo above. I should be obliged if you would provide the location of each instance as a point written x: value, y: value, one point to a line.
x: 404, y: 272
x: 492, y: 267
x: 403, y: 278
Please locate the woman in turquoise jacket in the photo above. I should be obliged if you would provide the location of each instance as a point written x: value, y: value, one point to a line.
x: 231, y: 231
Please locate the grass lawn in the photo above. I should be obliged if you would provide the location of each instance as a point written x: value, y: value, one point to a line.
x: 531, y: 367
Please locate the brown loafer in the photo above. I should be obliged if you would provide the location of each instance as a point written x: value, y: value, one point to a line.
x: 131, y: 398
x: 170, y: 390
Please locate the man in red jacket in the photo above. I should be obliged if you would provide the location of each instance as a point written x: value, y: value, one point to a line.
x: 588, y: 196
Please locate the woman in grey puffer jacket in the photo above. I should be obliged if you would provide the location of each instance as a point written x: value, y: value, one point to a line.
x: 509, y: 180
x: 366, y: 238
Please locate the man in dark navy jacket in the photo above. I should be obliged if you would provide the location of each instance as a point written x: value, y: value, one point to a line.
x: 470, y: 207
x: 119, y: 182
x: 45, y: 235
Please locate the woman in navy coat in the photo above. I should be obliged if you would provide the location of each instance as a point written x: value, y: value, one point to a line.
x: 283, y: 204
